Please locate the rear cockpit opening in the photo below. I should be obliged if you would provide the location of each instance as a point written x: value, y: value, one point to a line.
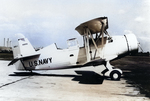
x: 73, y: 42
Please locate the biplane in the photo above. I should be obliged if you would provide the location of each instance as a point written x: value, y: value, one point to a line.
x: 99, y: 48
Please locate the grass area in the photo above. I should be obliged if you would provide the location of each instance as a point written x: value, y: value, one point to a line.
x: 6, y: 56
x: 139, y: 75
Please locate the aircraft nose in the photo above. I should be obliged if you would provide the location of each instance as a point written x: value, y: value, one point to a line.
x: 132, y: 43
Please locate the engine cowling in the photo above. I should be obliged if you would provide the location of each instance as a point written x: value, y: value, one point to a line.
x: 132, y: 43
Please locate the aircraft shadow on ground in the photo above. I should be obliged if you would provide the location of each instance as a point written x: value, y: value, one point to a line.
x: 88, y: 77
x: 83, y: 77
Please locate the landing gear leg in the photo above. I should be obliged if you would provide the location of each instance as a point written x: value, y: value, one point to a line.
x: 31, y: 71
x: 114, y: 74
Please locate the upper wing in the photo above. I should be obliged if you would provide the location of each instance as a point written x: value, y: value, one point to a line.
x: 95, y: 25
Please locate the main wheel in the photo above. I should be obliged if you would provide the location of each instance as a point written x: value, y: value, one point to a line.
x: 115, y: 75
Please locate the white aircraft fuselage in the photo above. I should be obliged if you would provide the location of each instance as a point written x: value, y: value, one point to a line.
x: 52, y: 57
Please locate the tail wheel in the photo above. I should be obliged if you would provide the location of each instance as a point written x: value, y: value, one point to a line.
x: 115, y: 75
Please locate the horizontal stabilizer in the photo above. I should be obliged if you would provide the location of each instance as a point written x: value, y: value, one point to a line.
x: 23, y: 58
x: 13, y: 61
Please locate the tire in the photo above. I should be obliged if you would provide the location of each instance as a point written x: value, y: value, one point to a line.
x: 115, y: 75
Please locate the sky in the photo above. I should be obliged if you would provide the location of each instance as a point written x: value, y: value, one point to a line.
x: 45, y: 22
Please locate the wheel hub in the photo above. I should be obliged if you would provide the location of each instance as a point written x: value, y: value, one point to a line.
x: 115, y: 76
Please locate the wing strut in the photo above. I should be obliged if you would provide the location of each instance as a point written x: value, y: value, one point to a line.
x: 86, y: 37
x: 93, y: 43
x: 88, y: 49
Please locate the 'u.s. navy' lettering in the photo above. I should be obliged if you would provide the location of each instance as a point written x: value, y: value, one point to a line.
x: 40, y: 62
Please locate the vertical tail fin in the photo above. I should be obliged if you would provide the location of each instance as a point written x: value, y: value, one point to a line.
x: 24, y: 47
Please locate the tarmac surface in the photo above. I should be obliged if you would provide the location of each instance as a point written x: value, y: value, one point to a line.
x: 80, y: 84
